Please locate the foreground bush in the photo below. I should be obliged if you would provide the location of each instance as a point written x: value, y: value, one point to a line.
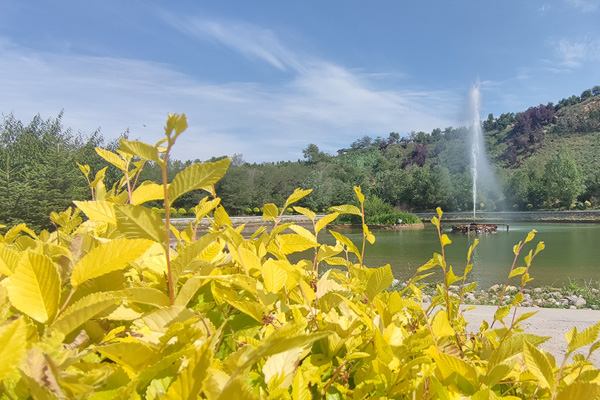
x: 106, y: 309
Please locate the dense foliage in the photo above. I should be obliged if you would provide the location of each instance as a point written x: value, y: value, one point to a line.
x: 115, y: 307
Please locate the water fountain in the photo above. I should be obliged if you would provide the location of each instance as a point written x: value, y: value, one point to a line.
x: 481, y: 170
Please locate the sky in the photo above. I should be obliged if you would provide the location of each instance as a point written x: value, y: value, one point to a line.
x: 266, y: 78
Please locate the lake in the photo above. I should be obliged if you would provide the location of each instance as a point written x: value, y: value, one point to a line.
x: 572, y: 252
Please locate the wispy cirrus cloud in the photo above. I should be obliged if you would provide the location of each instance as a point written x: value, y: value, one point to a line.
x: 573, y: 53
x: 584, y: 5
x: 319, y: 101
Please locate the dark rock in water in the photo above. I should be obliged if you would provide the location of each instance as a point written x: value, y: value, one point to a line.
x: 474, y: 229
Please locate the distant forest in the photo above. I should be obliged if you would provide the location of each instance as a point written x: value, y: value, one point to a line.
x: 546, y: 157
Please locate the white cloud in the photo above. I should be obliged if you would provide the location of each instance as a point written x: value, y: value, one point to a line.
x: 574, y: 53
x: 321, y: 102
x: 584, y: 5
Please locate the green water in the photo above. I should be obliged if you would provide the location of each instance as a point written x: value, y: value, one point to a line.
x: 572, y: 252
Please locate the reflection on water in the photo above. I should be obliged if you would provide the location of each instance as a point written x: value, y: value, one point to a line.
x: 572, y: 252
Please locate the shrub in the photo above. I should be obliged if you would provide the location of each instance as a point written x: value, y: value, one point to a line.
x: 181, y: 211
x: 119, y: 313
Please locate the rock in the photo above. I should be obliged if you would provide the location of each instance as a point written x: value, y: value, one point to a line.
x: 595, y: 291
x: 511, y: 289
x: 470, y: 297
x: 572, y: 307
x: 563, y: 302
x: 454, y: 288
x: 526, y: 297
x: 538, y: 302
x: 594, y: 307
x: 426, y: 298
x: 556, y: 295
x: 580, y: 302
x: 526, y: 290
x: 538, y: 290
x: 495, y: 288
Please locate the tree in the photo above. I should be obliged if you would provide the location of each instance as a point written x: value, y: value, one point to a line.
x: 563, y: 178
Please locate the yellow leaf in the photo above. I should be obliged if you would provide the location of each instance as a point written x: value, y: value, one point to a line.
x: 197, y: 176
x: 296, y: 196
x: 83, y: 310
x: 147, y: 191
x: 274, y: 277
x: 34, y: 288
x: 101, y: 211
x: 538, y: 364
x: 583, y: 338
x: 345, y: 241
x: 85, y: 169
x: 112, y: 158
x: 249, y: 260
x: 134, y: 355
x: 439, y: 212
x: 292, y: 243
x: 445, y: 240
x: 140, y: 149
x: 326, y: 220
x: 530, y: 236
x: 579, y: 390
x: 440, y: 325
x: 189, y: 381
x: 347, y: 209
x: 138, y: 222
x: 306, y: 212
x: 8, y: 260
x: 359, y: 195
x: 221, y: 217
x: 205, y: 206
x: 380, y: 279
x: 13, y: 344
x: 303, y: 232
x: 270, y: 212
x: 108, y: 257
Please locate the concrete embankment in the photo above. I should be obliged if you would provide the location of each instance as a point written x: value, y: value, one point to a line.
x: 518, y: 216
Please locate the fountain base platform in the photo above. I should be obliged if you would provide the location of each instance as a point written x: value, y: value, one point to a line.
x: 475, y: 229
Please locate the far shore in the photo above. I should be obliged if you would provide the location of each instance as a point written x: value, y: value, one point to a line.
x: 573, y: 216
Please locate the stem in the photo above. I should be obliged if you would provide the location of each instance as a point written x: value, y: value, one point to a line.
x: 64, y: 307
x: 167, y: 226
x: 127, y: 180
x: 338, y: 370
x: 5, y: 391
x: 137, y: 175
x: 362, y: 253
x: 445, y: 274
x: 507, y: 281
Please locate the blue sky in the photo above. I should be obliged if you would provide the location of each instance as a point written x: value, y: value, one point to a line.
x: 266, y: 78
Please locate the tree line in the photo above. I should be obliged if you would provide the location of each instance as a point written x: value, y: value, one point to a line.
x: 544, y: 158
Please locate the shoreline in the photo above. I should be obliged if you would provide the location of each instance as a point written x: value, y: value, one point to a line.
x: 574, y: 216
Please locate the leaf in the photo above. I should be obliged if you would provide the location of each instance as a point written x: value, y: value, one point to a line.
x: 101, y: 211
x: 147, y: 191
x: 296, y: 196
x: 530, y: 236
x: 326, y: 220
x: 112, y: 158
x: 13, y: 344
x: 111, y: 256
x: 445, y: 240
x: 380, y: 279
x: 274, y: 276
x: 538, y: 365
x: 300, y: 387
x: 499, y: 372
x: 502, y: 312
x: 292, y: 243
x: 359, y: 195
x: 85, y: 169
x: 8, y: 260
x: 345, y: 241
x: 583, y: 338
x: 134, y: 355
x: 440, y: 325
x: 141, y: 149
x: 138, y: 222
x: 145, y: 295
x: 84, y: 310
x: 306, y: 212
x: 34, y: 288
x: 197, y: 176
x: 190, y: 379
x: 270, y: 212
x: 221, y: 217
x: 579, y: 390
x: 517, y: 271
x: 205, y: 206
x: 346, y: 209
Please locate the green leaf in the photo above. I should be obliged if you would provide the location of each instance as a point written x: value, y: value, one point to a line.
x: 296, y: 196
x: 579, y: 391
x: 101, y: 211
x: 197, y: 176
x: 13, y: 344
x: 34, y: 287
x: 346, y: 209
x: 270, y: 212
x: 110, y: 256
x: 138, y: 222
x: 83, y: 310
x: 538, y: 364
x: 190, y: 379
x: 147, y: 191
x: 380, y: 279
x: 141, y: 149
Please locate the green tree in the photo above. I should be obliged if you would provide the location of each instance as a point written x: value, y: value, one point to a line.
x: 563, y: 178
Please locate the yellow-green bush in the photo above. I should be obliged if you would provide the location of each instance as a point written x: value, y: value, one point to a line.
x: 124, y: 306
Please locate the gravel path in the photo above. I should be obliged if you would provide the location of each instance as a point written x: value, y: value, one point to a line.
x: 551, y: 322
